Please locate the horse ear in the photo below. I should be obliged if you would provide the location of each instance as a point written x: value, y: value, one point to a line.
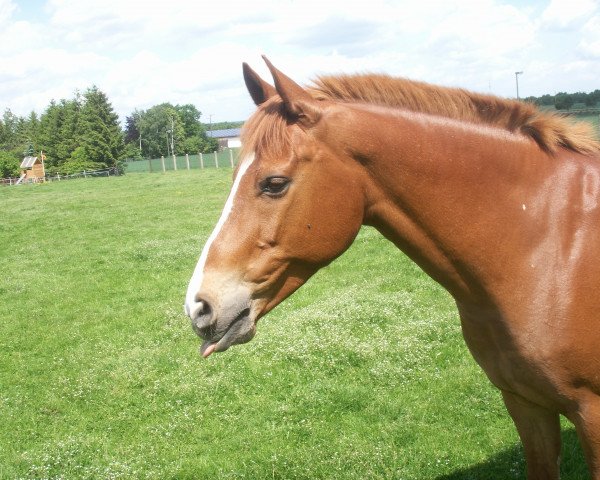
x: 298, y: 102
x: 259, y: 90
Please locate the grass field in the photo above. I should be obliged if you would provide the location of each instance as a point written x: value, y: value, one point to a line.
x: 362, y: 374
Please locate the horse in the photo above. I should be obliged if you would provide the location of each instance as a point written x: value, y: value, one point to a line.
x: 493, y: 198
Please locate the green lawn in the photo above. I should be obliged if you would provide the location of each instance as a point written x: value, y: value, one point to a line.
x: 362, y: 374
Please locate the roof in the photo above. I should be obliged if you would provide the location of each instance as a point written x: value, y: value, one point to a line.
x: 29, y: 162
x: 227, y: 133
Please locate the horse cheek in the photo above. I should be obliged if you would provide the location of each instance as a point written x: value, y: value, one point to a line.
x: 327, y: 234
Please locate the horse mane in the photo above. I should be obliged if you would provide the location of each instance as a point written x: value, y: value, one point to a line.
x: 549, y: 130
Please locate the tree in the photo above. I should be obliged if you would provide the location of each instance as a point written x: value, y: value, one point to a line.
x: 10, y: 129
x: 579, y: 97
x: 101, y: 135
x: 78, y: 162
x: 546, y: 100
x: 9, y: 164
x: 196, y: 139
x: 190, y: 118
x: 18, y: 135
x: 132, y: 132
x: 563, y: 101
x: 593, y: 98
x: 155, y: 125
x: 32, y: 127
x: 82, y: 131
x: 132, y: 151
x: 30, y: 150
x: 69, y: 136
x: 163, y: 126
x: 50, y: 133
x: 200, y: 144
x: 227, y: 125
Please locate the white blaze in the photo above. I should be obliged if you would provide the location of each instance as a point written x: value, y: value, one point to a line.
x: 196, y: 281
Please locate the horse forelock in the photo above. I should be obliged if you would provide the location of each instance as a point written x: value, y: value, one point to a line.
x: 266, y: 129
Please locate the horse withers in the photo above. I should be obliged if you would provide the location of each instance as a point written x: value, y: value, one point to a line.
x: 496, y: 200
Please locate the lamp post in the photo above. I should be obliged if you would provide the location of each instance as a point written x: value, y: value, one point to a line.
x: 517, y: 80
x: 172, y: 136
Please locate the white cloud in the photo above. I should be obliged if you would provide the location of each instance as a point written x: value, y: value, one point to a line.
x: 564, y: 14
x: 7, y: 7
x: 590, y: 43
x: 187, y: 51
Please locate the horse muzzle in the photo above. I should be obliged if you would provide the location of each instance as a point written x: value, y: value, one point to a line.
x: 221, y: 321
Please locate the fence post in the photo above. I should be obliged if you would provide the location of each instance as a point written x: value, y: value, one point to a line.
x: 231, y: 157
x: 162, y: 162
x: 187, y: 161
x: 201, y: 160
x: 150, y: 165
x: 216, y: 160
x: 84, y: 175
x: 174, y: 162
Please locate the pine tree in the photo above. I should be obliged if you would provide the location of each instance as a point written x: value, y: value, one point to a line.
x: 32, y: 127
x: 30, y: 150
x: 10, y: 132
x: 49, y: 134
x: 101, y: 135
x: 70, y: 127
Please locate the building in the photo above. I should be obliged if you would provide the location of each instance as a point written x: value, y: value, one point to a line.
x: 32, y: 168
x: 228, y: 138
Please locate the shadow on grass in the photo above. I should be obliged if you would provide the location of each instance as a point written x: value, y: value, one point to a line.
x: 510, y: 463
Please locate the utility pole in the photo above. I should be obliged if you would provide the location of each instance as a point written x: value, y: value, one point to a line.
x: 517, y: 80
x: 172, y: 136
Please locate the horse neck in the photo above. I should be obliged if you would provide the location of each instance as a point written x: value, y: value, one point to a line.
x: 445, y: 192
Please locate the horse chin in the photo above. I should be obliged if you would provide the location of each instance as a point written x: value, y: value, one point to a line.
x: 241, y: 330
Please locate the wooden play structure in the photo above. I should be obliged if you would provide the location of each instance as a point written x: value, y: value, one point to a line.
x: 32, y: 169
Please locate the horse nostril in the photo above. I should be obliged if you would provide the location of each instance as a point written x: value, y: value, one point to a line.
x: 207, y: 310
x: 202, y: 317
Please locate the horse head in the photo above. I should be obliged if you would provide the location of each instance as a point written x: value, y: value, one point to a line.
x: 295, y: 205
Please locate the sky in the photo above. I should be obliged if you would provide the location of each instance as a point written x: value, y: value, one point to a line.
x: 143, y: 53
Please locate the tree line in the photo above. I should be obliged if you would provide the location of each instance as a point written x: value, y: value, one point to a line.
x: 84, y: 133
x: 166, y: 129
x: 565, y: 101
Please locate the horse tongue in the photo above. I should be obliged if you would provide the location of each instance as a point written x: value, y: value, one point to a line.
x: 207, y: 348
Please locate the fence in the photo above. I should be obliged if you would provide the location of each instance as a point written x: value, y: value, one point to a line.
x: 105, y: 172
x: 224, y: 158
x: 227, y: 157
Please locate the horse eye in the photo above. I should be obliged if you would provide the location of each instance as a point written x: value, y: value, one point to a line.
x: 274, y: 186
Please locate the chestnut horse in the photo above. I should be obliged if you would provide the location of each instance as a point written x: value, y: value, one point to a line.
x: 497, y: 201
